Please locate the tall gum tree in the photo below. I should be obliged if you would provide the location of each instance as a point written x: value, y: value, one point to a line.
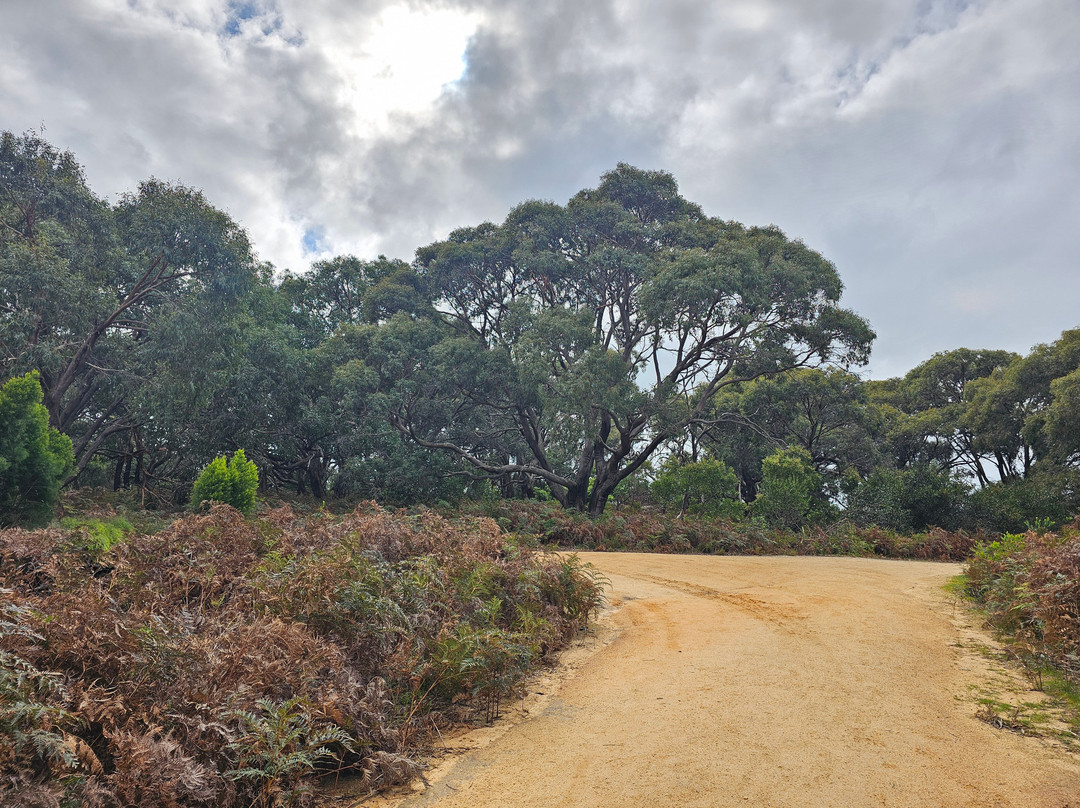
x: 573, y: 341
x: 85, y: 285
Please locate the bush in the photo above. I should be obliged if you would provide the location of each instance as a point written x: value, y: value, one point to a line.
x: 34, y: 457
x: 789, y: 483
x: 707, y: 488
x: 228, y: 661
x: 1029, y: 584
x: 1014, y: 506
x: 234, y: 483
x: 912, y: 499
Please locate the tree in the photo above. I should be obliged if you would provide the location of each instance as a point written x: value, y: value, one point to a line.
x: 86, y: 288
x: 824, y: 411
x: 34, y: 458
x: 1018, y: 413
x: 569, y: 343
x: 335, y: 293
x: 1061, y: 425
x: 932, y: 412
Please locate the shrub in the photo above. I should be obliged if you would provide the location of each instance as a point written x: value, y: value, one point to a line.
x: 1015, y: 505
x: 911, y: 499
x: 1029, y: 584
x: 788, y: 485
x: 706, y: 488
x: 34, y: 457
x: 227, y: 661
x: 234, y: 483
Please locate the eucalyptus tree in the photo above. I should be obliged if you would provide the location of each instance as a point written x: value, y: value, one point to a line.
x: 825, y: 412
x: 936, y: 425
x: 93, y: 295
x: 1025, y: 413
x: 570, y: 342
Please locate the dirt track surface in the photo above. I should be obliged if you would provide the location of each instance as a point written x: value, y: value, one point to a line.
x: 718, y: 681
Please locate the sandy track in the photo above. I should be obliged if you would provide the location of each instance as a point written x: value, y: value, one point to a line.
x: 766, y: 682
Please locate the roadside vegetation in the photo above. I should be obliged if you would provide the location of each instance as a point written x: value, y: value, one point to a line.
x: 224, y: 661
x: 644, y: 531
x: 1028, y: 587
x: 622, y: 350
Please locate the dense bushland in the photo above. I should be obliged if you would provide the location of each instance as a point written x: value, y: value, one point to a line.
x: 624, y: 343
x: 1029, y: 585
x: 224, y: 661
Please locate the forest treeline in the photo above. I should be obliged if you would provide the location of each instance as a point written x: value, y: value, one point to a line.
x: 623, y: 350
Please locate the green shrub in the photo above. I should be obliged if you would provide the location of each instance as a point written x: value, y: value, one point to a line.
x: 789, y: 484
x: 34, y: 457
x: 1045, y: 500
x: 911, y: 499
x: 233, y: 482
x: 707, y: 488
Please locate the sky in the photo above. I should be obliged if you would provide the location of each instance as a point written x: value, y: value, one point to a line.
x: 929, y: 148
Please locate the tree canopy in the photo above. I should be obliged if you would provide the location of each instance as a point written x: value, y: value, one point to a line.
x: 625, y: 340
x: 570, y: 342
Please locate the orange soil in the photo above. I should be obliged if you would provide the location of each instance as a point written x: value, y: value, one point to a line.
x: 775, y: 681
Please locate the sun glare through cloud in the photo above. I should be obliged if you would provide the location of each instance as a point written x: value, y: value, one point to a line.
x: 404, y: 64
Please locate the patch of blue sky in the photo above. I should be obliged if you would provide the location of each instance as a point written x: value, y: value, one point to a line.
x: 240, y: 11
x: 314, y: 241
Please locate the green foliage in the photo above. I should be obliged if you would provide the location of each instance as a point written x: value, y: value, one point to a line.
x: 34, y: 457
x: 98, y: 535
x: 913, y: 499
x: 1025, y: 412
x: 1046, y: 497
x: 932, y: 497
x: 825, y: 412
x: 276, y: 745
x: 789, y: 486
x: 542, y: 355
x: 234, y: 482
x: 707, y: 488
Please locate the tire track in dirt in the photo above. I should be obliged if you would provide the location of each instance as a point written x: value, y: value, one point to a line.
x: 755, y: 607
x: 773, y: 681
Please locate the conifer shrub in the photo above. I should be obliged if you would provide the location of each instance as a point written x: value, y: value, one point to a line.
x: 233, y: 482
x: 34, y: 457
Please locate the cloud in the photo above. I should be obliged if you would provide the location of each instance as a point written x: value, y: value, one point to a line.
x: 926, y: 146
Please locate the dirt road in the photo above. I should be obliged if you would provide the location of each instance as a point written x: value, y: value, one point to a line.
x: 765, y: 682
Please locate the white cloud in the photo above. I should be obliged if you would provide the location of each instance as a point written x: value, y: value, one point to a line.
x: 927, y: 146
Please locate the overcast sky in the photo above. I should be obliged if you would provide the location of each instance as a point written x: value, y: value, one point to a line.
x: 930, y: 148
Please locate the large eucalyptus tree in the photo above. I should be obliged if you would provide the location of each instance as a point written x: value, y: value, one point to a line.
x: 570, y: 342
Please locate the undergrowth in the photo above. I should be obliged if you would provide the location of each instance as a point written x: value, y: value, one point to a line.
x: 1028, y: 586
x: 547, y: 523
x: 229, y: 662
